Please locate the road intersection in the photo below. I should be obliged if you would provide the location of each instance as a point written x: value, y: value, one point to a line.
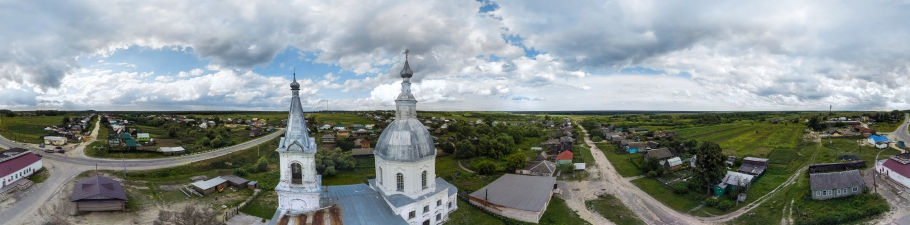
x: 64, y: 168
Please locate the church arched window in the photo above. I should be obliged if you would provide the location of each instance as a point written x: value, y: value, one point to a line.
x: 380, y: 175
x: 400, y: 180
x: 423, y: 179
x: 296, y: 173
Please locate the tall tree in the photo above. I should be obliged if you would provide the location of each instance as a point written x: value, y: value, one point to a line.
x: 709, y: 166
x: 515, y: 161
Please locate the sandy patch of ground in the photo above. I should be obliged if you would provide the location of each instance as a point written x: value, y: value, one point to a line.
x: 148, y: 205
x: 244, y: 219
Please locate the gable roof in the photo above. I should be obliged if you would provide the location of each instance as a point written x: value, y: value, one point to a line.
x: 660, y: 153
x: 97, y: 187
x: 736, y: 179
x: 754, y: 166
x: 638, y: 145
x: 529, y: 193
x: 897, y: 167
x: 826, y: 181
x: 10, y: 166
x: 541, y: 167
x: 565, y: 155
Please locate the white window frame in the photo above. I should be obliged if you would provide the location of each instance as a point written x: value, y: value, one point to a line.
x: 400, y: 181
x: 855, y: 189
x: 426, y: 208
x: 818, y: 193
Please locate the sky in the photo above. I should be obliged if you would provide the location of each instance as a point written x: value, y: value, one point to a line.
x: 466, y: 55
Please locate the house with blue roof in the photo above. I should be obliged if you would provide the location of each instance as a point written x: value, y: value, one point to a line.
x: 879, y: 141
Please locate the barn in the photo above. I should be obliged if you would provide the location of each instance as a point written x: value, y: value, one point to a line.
x: 98, y: 193
x: 210, y: 186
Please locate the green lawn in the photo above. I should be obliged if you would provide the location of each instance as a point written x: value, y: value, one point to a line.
x: 614, y: 210
x: 263, y: 206
x: 621, y: 163
x: 845, y: 146
x: 29, y: 129
x: 365, y: 169
x: 468, y: 214
x: 885, y: 126
x: 560, y: 213
x: 748, y: 138
x: 40, y: 176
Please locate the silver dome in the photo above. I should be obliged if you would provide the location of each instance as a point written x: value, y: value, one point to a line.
x: 405, y: 140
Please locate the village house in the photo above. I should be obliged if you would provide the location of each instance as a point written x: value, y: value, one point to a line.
x: 733, y: 180
x: 664, y: 157
x: 520, y: 197
x: 343, y: 134
x: 635, y: 147
x: 896, y: 168
x: 564, y: 157
x: 98, y: 193
x: 538, y: 168
x: 255, y: 132
x: 836, y: 184
x: 753, y: 166
x: 328, y: 138
x: 144, y: 137
x: 54, y: 140
x: 16, y: 164
x: 879, y: 141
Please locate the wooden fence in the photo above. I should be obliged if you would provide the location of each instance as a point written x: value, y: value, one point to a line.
x: 233, y: 211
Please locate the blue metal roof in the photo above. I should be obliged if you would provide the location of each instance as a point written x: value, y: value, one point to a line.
x: 878, y: 138
x: 360, y: 204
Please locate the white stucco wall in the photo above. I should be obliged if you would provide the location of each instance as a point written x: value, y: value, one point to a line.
x: 20, y: 174
x: 518, y: 214
x: 412, y: 176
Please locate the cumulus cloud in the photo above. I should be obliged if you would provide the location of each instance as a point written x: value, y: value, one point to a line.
x: 520, y: 55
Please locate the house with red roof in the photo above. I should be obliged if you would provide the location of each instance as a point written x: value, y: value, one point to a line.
x: 16, y: 164
x: 896, y: 168
x: 564, y: 157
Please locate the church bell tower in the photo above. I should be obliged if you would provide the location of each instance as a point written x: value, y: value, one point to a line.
x: 299, y: 186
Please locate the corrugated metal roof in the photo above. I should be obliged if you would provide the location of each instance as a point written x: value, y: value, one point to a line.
x: 97, y: 187
x: 209, y: 183
x: 235, y: 179
x: 529, y: 193
x: 843, y: 179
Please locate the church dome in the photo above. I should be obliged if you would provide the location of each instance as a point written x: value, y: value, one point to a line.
x: 405, y: 140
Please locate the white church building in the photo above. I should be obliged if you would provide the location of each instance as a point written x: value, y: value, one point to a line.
x: 405, y: 191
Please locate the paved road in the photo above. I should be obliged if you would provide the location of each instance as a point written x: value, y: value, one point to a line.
x: 62, y: 169
x: 901, y: 132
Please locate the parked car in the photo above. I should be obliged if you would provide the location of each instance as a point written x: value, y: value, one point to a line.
x: 49, y: 150
x: 61, y: 151
x: 39, y: 154
x: 41, y: 145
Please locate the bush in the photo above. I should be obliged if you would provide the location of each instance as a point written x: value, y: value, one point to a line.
x: 724, y: 205
x: 680, y: 188
x: 240, y: 172
x: 711, y: 202
x: 596, y: 139
x: 486, y: 167
x: 652, y: 174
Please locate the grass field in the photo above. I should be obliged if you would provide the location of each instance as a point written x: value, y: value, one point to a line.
x: 346, y: 119
x: 747, y: 138
x: 28, y: 129
x: 885, y: 126
x: 614, y: 210
x: 849, y: 146
x: 621, y: 162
